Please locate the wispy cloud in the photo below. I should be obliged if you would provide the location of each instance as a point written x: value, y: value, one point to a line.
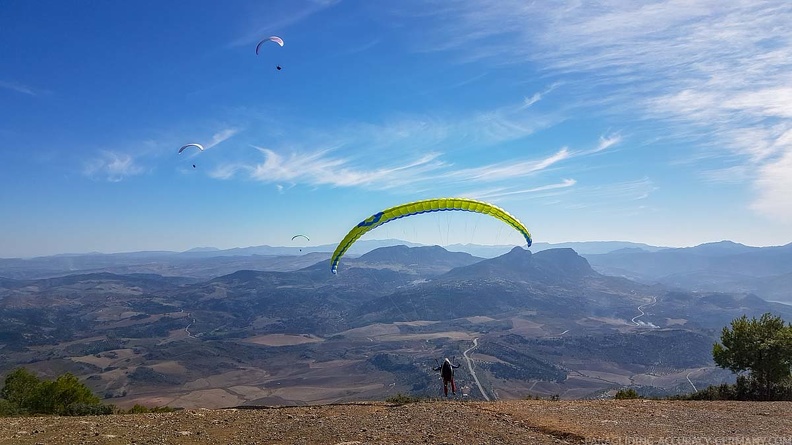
x: 472, y: 131
x: 281, y: 18
x: 507, y: 123
x: 509, y: 169
x: 774, y: 187
x: 622, y: 193
x: 323, y: 168
x: 19, y: 88
x: 326, y: 167
x: 528, y: 101
x: 502, y: 192
x: 712, y: 69
x: 221, y: 136
x: 476, y: 129
x: 226, y: 171
x: 112, y: 166
x: 737, y: 174
x: 607, y: 141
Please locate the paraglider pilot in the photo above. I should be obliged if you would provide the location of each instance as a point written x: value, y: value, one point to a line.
x: 447, y: 372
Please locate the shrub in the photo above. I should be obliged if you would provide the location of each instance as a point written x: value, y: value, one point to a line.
x: 140, y: 409
x: 7, y: 408
x: 84, y: 409
x: 626, y: 393
x: 21, y: 390
x: 746, y: 388
x: 402, y: 399
x: 25, y: 393
x: 553, y: 398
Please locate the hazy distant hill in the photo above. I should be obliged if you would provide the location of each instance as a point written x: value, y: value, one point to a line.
x: 531, y: 320
x: 209, y: 262
x: 557, y: 283
x: 720, y: 267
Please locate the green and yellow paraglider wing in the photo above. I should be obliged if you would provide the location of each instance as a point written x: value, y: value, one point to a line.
x: 424, y: 206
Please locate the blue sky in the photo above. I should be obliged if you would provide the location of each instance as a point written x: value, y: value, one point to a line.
x: 664, y: 122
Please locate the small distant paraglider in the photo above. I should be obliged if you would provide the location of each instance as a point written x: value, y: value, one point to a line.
x: 275, y: 39
x: 198, y: 146
x: 303, y: 236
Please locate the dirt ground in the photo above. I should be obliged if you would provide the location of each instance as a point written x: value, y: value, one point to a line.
x: 435, y: 422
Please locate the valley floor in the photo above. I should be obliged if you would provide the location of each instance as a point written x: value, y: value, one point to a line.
x: 450, y: 422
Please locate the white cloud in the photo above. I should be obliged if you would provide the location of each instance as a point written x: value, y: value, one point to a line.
x: 427, y: 171
x: 112, y: 166
x: 528, y: 101
x: 225, y: 171
x: 736, y: 174
x: 221, y: 136
x: 605, y: 142
x: 510, y: 169
x: 715, y: 71
x: 501, y: 192
x: 774, y: 188
x: 607, y: 196
x: 412, y: 135
x: 321, y: 168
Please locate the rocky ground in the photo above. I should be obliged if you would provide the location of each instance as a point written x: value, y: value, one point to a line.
x: 435, y: 422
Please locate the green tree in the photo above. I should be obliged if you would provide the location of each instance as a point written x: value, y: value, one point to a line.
x: 25, y: 393
x: 626, y: 393
x: 21, y: 389
x: 761, y: 347
x: 59, y: 396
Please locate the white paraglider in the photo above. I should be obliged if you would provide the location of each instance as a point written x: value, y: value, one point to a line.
x: 199, y: 146
x: 275, y: 39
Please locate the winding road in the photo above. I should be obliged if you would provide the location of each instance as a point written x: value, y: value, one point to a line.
x: 470, y: 368
x: 187, y: 329
x: 640, y: 309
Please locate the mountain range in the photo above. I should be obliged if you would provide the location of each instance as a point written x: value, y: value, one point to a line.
x: 541, y: 323
x: 716, y: 267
